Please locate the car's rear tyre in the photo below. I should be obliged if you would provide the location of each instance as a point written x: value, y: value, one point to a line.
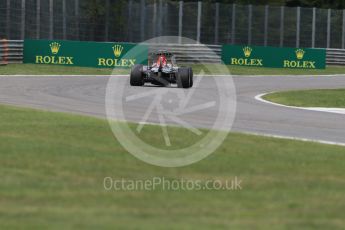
x: 137, y: 77
x: 185, y: 77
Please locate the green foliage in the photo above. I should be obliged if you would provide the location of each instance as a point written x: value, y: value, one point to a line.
x: 337, y: 4
x: 94, y: 11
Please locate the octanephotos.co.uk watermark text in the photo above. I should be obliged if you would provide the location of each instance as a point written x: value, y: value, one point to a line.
x: 165, y: 184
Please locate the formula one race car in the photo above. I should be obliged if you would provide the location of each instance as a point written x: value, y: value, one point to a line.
x: 162, y: 71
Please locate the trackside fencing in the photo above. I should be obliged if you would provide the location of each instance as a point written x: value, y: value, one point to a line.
x: 207, y: 22
x: 11, y: 51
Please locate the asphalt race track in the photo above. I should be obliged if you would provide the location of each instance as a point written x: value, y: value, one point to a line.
x: 86, y: 95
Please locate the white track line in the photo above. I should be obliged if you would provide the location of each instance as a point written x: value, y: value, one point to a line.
x: 43, y: 75
x: 213, y: 75
x: 259, y: 134
x: 342, y: 111
x: 317, y: 109
x: 254, y: 133
x: 313, y: 75
x: 296, y: 138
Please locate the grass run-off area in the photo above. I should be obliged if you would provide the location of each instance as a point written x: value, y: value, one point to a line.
x: 53, y: 165
x: 31, y: 69
x: 327, y: 98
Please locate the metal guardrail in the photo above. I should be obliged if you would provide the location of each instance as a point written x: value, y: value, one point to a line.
x: 11, y: 51
x: 192, y: 53
x: 212, y: 54
x: 3, y: 52
x: 335, y: 57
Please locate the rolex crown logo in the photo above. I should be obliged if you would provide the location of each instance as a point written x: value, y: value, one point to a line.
x: 300, y: 54
x: 55, y: 47
x: 117, y: 50
x: 247, y: 51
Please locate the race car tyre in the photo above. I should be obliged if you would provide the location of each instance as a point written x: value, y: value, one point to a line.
x: 185, y: 77
x: 137, y: 78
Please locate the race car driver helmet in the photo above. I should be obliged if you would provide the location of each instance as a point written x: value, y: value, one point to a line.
x: 162, y: 59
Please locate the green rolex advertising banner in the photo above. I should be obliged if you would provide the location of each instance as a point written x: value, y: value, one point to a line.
x: 85, y: 54
x: 274, y: 57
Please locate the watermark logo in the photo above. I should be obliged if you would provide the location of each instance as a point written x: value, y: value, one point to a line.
x: 170, y: 126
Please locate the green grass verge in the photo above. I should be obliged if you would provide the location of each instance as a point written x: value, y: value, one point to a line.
x: 327, y: 98
x: 240, y: 70
x: 52, y: 169
x: 31, y: 69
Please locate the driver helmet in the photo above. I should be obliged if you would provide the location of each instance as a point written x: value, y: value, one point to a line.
x: 161, y: 59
